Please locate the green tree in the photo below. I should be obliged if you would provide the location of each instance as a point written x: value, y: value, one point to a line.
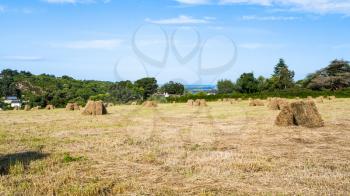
x: 263, y: 83
x: 334, y: 77
x: 173, y: 88
x: 124, y: 92
x: 225, y: 87
x: 149, y: 86
x: 282, y: 77
x: 247, y: 83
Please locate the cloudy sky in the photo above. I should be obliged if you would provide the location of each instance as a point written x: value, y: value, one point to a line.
x: 193, y: 41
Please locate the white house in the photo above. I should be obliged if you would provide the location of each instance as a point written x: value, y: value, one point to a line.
x: 13, y: 101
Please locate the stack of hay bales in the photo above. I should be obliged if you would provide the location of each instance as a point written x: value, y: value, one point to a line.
x: 94, y: 108
x: 256, y: 102
x: 76, y: 106
x: 200, y: 103
x: 150, y: 104
x: 49, y: 107
x: 319, y: 99
x: 331, y: 97
x: 26, y: 108
x: 190, y: 102
x: 72, y: 107
x: 300, y: 113
x: 35, y: 108
x: 277, y: 104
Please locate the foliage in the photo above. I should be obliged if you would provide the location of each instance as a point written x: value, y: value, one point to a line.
x: 225, y: 87
x: 335, y: 76
x: 247, y: 83
x: 149, y: 86
x: 40, y: 90
x: 282, y: 77
x: 286, y: 93
x: 125, y: 92
x: 173, y: 88
x: 158, y: 98
x: 100, y: 97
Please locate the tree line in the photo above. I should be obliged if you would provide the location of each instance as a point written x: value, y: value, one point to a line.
x: 335, y: 76
x: 40, y: 90
x: 44, y: 89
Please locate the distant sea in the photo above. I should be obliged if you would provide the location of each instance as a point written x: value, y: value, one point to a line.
x: 200, y: 88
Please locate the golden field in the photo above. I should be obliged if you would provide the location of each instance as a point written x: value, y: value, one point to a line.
x: 174, y: 149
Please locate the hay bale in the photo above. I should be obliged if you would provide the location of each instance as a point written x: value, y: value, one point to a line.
x: 94, y: 108
x: 203, y: 103
x: 27, y: 108
x: 36, y: 108
x: 319, y: 99
x: 239, y: 99
x: 49, y: 107
x: 200, y: 102
x: 310, y: 98
x: 285, y: 117
x: 190, y: 102
x: 70, y: 107
x: 277, y: 104
x: 76, y: 106
x: 300, y: 113
x: 256, y: 103
x: 197, y: 102
x: 331, y: 97
x: 150, y: 104
x: 100, y: 108
x: 134, y: 103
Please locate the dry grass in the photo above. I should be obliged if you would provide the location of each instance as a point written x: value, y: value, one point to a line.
x: 174, y: 149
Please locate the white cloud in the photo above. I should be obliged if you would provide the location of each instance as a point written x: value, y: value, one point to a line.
x: 22, y: 58
x: 90, y: 44
x: 180, y: 20
x: 270, y: 18
x: 75, y: 1
x: 315, y: 6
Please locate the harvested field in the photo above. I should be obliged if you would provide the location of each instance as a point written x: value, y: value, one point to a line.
x: 174, y: 149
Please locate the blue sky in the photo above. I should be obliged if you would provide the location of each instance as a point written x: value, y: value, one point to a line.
x: 193, y: 41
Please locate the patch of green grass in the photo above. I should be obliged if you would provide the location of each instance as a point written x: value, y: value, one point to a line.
x: 67, y: 158
x: 17, y: 168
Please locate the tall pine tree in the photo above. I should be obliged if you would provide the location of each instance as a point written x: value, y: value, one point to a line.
x: 282, y: 78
